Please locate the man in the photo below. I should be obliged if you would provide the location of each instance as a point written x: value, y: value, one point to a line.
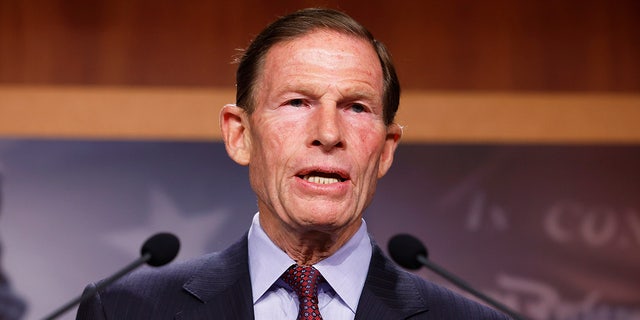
x: 313, y: 121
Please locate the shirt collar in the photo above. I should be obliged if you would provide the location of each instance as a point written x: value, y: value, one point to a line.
x: 345, y: 271
x: 267, y: 262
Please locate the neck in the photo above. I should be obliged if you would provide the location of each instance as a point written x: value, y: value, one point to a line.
x: 306, y: 247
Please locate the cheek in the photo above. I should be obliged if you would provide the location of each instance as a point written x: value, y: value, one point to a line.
x: 278, y: 146
x: 368, y: 143
x: 271, y: 137
x: 275, y: 145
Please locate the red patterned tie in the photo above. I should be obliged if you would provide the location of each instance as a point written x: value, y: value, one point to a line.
x: 304, y: 281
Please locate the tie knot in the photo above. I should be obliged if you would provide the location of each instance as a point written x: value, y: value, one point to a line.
x: 303, y: 280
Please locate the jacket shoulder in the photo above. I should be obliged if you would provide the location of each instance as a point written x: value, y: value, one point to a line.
x: 161, y: 292
x: 409, y: 291
x: 444, y: 303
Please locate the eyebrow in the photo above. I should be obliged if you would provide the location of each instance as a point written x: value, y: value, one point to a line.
x: 350, y: 93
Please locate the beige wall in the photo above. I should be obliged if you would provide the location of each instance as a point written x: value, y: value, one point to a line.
x: 192, y: 114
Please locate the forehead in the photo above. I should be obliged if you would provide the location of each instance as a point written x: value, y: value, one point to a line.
x: 325, y: 52
x: 324, y: 38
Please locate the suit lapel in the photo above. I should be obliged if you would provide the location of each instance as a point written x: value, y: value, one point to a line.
x: 223, y: 285
x: 388, y: 293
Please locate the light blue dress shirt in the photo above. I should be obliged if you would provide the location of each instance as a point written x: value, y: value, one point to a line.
x: 345, y: 272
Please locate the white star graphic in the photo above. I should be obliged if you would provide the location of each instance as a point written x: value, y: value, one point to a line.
x: 194, y: 230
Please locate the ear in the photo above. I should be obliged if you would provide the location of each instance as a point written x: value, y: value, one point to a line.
x: 394, y: 133
x: 234, y: 126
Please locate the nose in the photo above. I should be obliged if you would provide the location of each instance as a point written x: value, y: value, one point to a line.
x: 328, y: 128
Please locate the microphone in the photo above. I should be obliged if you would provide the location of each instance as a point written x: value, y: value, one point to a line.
x: 407, y: 251
x: 157, y: 251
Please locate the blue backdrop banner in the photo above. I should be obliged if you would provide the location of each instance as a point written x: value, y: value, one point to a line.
x: 552, y: 231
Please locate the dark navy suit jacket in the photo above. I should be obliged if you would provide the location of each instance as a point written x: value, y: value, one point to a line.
x: 218, y: 286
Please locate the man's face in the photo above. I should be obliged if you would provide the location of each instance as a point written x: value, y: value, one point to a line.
x: 317, y: 142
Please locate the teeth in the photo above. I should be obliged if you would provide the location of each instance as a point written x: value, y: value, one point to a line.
x: 321, y: 180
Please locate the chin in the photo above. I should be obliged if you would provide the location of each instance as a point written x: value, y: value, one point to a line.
x: 328, y: 221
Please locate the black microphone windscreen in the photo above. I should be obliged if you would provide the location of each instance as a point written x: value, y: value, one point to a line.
x: 405, y: 249
x: 163, y: 247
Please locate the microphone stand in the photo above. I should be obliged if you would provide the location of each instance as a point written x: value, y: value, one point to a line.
x: 90, y: 292
x: 465, y: 286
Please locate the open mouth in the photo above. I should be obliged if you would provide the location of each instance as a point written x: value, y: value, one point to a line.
x: 320, y: 177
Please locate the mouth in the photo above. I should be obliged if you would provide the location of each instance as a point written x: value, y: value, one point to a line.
x: 323, y: 177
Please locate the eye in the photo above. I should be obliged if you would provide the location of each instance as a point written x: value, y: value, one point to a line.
x: 358, y: 108
x: 297, y: 103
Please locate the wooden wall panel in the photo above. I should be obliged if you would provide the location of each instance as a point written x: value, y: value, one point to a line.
x: 528, y: 71
x: 517, y: 45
